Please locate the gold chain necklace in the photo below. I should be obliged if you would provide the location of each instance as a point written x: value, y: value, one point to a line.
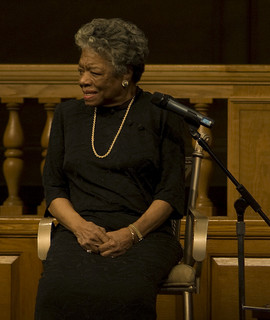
x: 116, y: 136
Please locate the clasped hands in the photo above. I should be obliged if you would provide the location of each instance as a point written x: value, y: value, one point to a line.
x: 95, y: 239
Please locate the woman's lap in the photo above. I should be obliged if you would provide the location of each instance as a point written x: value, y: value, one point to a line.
x: 75, y: 281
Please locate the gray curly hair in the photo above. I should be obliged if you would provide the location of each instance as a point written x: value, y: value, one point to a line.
x: 119, y: 41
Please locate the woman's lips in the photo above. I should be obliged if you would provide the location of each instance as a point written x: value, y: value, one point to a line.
x: 89, y: 95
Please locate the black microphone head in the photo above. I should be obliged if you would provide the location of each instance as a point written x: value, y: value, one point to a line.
x: 190, y: 115
x: 159, y: 99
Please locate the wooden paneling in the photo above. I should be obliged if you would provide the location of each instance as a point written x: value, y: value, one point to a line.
x: 9, y: 287
x: 248, y: 150
x: 20, y: 268
x: 221, y: 268
x: 224, y: 289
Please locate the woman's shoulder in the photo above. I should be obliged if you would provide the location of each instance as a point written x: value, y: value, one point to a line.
x: 143, y: 101
x: 69, y: 108
x: 143, y: 96
x: 145, y: 105
x: 165, y: 119
x: 67, y: 105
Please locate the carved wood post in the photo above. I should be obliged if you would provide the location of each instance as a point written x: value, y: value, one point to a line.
x: 203, y: 202
x: 49, y: 108
x: 13, y: 164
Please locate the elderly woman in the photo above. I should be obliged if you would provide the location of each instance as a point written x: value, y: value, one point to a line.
x: 113, y: 178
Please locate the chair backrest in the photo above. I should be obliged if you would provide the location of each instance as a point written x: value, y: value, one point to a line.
x: 192, y: 173
x: 176, y: 222
x: 197, y: 157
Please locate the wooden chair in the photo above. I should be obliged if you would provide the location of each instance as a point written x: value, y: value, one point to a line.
x: 184, y: 278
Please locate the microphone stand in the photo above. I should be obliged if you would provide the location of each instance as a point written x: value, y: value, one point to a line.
x: 240, y: 206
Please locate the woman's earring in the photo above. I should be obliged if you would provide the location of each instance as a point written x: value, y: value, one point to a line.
x: 124, y: 83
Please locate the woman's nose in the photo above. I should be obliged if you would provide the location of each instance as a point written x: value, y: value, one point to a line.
x: 85, y: 79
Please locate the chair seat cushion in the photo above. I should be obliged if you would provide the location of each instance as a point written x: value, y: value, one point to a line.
x: 180, y: 275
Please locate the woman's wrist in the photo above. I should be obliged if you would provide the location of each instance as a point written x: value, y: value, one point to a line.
x: 132, y: 233
x: 136, y: 234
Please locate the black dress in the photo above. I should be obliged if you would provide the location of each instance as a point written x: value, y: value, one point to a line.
x: 146, y: 163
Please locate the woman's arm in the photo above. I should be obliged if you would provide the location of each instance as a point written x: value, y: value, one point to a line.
x: 158, y: 212
x: 88, y: 234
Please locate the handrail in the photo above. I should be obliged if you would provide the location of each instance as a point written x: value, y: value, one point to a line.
x: 34, y: 81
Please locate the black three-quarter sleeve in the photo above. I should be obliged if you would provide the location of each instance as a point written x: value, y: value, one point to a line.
x: 171, y: 187
x: 54, y: 179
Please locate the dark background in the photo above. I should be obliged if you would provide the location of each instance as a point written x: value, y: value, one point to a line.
x: 179, y: 31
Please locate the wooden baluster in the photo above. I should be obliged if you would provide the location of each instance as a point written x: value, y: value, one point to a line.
x: 203, y: 202
x: 13, y: 164
x: 49, y: 108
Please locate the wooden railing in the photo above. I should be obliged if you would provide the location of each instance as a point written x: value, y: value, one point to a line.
x: 245, y: 90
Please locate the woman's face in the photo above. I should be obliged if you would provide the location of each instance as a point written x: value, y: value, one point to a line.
x: 100, y: 86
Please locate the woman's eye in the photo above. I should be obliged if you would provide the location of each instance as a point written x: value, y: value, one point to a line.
x: 95, y: 73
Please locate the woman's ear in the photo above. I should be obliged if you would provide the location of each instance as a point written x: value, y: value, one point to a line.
x: 128, y: 76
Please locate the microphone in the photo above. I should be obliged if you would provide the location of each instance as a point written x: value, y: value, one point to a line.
x: 191, y: 116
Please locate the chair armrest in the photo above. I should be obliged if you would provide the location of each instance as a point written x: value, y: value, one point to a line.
x: 200, y: 235
x: 44, y: 237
